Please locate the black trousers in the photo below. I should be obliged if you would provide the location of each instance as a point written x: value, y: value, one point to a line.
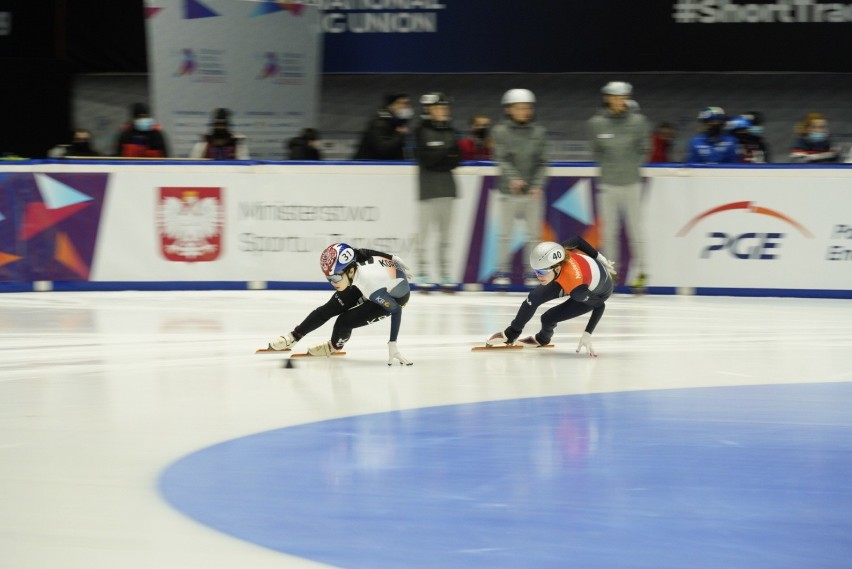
x: 352, y: 312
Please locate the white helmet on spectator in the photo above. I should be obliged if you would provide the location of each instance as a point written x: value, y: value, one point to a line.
x: 619, y: 88
x: 434, y: 98
x: 513, y: 96
x: 546, y: 254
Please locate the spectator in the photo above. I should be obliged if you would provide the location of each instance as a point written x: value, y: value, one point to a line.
x: 385, y: 135
x: 519, y: 150
x: 662, y: 141
x: 437, y: 153
x: 142, y: 137
x: 813, y: 144
x: 748, y: 130
x: 305, y: 146
x: 479, y: 144
x: 80, y: 146
x: 221, y: 143
x: 713, y: 145
x: 620, y: 142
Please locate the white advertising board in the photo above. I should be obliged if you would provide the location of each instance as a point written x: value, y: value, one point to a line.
x: 265, y: 224
x: 788, y: 231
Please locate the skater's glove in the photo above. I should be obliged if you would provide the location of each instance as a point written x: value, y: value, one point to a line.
x: 403, y: 267
x: 393, y: 354
x: 586, y: 343
x: 608, y: 265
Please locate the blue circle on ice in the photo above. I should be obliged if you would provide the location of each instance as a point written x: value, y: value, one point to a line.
x: 752, y: 477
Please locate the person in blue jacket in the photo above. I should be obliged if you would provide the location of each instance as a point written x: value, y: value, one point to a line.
x: 713, y: 145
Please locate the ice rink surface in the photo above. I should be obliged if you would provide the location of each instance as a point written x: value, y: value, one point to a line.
x: 140, y: 430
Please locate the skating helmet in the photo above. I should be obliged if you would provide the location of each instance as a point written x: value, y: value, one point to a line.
x: 335, y: 259
x: 712, y: 114
x: 435, y: 98
x: 513, y: 96
x: 619, y: 88
x: 546, y: 254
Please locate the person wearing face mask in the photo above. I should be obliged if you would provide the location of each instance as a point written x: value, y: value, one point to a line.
x: 713, y: 145
x: 478, y: 145
x: 813, y: 144
x: 80, y: 146
x: 573, y: 269
x: 748, y: 130
x: 437, y: 153
x: 620, y: 139
x: 520, y: 152
x: 142, y: 137
x: 385, y: 136
x: 220, y: 143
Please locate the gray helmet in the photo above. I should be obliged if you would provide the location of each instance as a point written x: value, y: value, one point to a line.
x: 546, y: 254
x: 619, y: 88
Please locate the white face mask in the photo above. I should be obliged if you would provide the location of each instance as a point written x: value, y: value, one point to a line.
x: 404, y: 113
x: 144, y: 124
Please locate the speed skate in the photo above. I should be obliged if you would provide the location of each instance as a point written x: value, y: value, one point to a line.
x: 309, y: 355
x: 268, y: 350
x: 509, y: 347
x: 290, y: 353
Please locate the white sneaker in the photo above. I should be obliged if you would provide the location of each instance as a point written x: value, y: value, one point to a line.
x: 324, y: 349
x: 283, y: 343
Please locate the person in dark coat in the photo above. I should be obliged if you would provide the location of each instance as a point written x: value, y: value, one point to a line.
x: 437, y: 153
x: 384, y: 137
x: 305, y: 146
x: 142, y: 137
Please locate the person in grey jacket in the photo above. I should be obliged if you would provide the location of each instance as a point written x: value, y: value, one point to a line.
x: 437, y: 153
x: 620, y: 143
x: 520, y: 153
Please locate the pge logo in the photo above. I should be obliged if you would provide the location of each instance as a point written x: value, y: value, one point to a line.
x: 749, y: 245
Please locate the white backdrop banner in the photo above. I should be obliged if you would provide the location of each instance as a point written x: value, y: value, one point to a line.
x: 259, y: 224
x: 259, y: 59
x: 790, y: 229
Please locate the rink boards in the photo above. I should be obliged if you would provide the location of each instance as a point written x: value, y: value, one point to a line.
x: 738, y: 230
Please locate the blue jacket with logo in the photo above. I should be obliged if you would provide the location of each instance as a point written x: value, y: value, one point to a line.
x: 704, y: 149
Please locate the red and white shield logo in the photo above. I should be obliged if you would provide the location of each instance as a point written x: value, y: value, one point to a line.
x: 190, y: 222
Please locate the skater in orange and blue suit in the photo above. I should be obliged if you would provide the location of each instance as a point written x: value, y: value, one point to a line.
x: 574, y: 269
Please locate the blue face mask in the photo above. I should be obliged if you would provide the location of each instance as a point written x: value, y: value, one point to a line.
x: 145, y: 124
x: 817, y: 136
x: 756, y: 130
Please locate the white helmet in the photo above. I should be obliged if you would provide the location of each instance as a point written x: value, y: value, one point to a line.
x: 619, y: 88
x: 546, y: 254
x: 513, y: 96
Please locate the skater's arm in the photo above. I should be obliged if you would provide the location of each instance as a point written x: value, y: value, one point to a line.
x: 582, y: 245
x: 595, y: 318
x: 386, y: 300
x: 364, y: 254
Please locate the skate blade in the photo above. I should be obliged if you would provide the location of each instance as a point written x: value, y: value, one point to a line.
x: 270, y: 351
x: 499, y: 347
x: 307, y: 355
x: 509, y: 347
